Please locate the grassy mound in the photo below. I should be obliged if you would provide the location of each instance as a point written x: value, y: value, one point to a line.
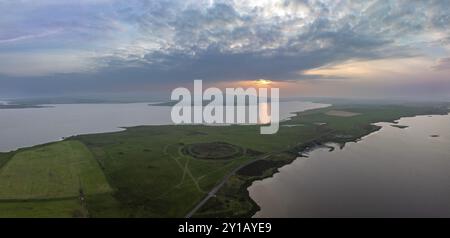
x: 214, y: 150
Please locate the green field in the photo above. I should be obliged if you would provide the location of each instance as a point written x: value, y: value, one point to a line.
x: 43, y: 209
x: 145, y: 171
x: 58, y: 170
x: 49, y: 180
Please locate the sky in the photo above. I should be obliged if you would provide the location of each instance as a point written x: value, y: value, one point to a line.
x: 334, y: 48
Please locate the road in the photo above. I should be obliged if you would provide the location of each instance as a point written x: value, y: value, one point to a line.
x: 214, y: 190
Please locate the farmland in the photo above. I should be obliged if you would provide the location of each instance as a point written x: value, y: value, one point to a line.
x: 58, y: 173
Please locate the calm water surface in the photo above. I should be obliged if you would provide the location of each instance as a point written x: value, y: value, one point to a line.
x: 390, y: 173
x: 33, y: 126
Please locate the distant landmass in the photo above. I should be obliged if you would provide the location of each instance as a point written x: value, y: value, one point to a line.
x: 20, y: 106
x: 173, y: 103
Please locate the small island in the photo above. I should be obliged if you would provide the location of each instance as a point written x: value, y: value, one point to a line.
x: 399, y: 126
x: 20, y: 106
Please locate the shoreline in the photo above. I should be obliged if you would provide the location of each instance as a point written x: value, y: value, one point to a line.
x: 81, y: 129
x: 315, y: 145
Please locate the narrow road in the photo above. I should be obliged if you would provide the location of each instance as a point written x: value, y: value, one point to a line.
x: 220, y: 185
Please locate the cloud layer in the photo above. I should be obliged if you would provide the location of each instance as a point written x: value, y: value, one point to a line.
x: 108, y: 44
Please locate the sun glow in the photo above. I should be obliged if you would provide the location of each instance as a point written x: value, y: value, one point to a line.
x: 263, y: 82
x: 259, y: 83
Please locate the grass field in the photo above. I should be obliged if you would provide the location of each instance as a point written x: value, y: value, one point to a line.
x: 151, y: 175
x: 42, y: 209
x: 143, y: 172
x: 59, y: 170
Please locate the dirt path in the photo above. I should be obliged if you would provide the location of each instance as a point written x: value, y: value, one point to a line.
x: 184, y: 168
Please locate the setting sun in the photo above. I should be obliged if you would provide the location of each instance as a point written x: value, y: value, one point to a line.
x: 263, y: 82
